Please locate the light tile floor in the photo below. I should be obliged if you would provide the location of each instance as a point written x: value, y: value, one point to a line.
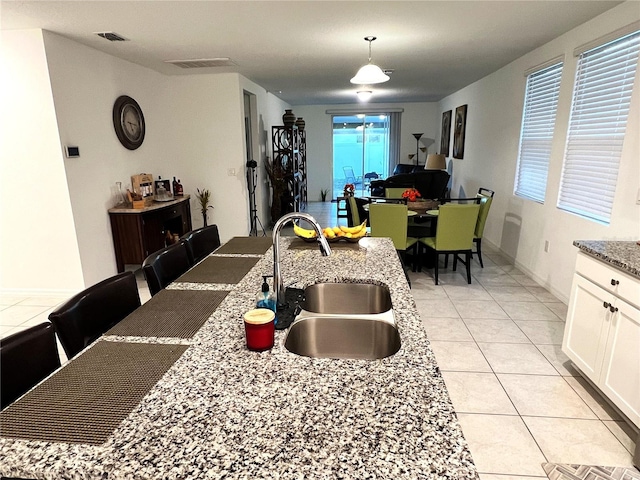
x: 519, y: 401
x: 497, y: 341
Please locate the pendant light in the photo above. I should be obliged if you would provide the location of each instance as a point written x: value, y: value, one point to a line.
x: 370, y: 73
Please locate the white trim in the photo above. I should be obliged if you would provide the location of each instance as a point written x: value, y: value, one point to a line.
x: 24, y: 292
x: 356, y: 110
x: 543, y: 65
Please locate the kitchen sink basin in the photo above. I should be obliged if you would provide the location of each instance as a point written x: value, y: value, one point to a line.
x: 342, y: 337
x: 346, y: 298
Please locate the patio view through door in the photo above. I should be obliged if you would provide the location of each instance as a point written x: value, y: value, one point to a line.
x: 360, y: 151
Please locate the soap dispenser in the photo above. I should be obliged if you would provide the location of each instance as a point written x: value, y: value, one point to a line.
x: 267, y: 299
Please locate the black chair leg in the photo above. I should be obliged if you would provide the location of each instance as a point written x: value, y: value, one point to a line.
x: 479, y: 250
x: 436, y: 271
x: 468, y: 255
x: 455, y: 261
x: 419, y: 245
x: 446, y: 260
x: 414, y: 257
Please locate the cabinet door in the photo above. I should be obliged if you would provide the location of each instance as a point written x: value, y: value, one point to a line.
x: 153, y: 229
x: 620, y: 377
x: 585, y: 333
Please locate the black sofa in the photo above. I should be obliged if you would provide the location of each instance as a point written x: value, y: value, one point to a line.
x: 432, y: 184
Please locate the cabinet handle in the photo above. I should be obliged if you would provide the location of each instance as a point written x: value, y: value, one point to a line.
x: 613, y: 309
x: 606, y: 305
x: 615, y: 282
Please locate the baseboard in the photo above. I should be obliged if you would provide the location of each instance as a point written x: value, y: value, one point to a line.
x: 37, y: 292
x: 539, y: 280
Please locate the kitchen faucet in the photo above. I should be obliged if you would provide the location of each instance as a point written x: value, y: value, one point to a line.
x: 325, y: 249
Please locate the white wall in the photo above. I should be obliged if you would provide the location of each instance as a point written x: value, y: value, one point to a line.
x: 204, y: 129
x: 85, y: 84
x: 269, y: 113
x: 417, y: 117
x: 194, y: 131
x: 39, y: 252
x: 521, y: 227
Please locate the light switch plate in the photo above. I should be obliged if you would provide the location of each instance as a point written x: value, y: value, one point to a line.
x: 72, y: 151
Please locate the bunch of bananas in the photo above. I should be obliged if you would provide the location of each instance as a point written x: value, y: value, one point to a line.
x: 333, y: 233
x: 303, y: 232
x: 346, y: 232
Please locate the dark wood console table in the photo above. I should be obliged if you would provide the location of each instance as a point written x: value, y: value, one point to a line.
x: 140, y: 232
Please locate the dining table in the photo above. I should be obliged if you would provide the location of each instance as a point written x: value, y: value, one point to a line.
x: 172, y: 391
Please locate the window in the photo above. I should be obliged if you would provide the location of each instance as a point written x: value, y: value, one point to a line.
x: 538, y: 122
x: 361, y: 146
x: 597, y: 125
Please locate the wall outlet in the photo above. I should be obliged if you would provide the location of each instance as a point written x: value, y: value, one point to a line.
x: 231, y: 172
x: 546, y: 246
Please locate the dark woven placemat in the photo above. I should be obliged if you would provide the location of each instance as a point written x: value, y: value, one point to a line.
x: 300, y: 244
x: 219, y: 270
x: 87, y: 399
x: 255, y: 245
x: 157, y: 317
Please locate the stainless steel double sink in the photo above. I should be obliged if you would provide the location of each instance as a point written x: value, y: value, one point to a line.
x: 344, y: 320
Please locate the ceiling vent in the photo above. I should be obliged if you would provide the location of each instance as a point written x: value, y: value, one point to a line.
x: 203, y: 63
x: 112, y: 36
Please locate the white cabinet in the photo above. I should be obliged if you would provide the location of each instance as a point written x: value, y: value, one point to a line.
x: 602, y: 333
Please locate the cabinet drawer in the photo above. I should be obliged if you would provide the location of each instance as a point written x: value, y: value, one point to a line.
x: 609, y: 278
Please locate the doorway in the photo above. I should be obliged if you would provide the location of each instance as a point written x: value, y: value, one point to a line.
x: 360, y: 151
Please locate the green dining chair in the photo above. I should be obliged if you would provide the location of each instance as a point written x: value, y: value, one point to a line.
x: 485, y: 204
x: 454, y: 234
x: 394, y: 192
x: 353, y: 217
x: 390, y: 220
x: 356, y: 213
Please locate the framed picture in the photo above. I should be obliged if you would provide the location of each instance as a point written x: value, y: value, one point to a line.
x: 445, y: 137
x: 459, y: 128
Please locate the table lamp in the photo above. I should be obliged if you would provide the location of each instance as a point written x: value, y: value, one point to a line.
x: 435, y: 161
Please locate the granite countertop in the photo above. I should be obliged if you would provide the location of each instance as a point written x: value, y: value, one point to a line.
x: 224, y: 412
x: 622, y: 255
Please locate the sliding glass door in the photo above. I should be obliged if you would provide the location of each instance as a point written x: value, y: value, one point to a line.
x: 360, y: 151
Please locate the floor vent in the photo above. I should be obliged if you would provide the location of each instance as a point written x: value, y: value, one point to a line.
x: 112, y: 36
x: 203, y: 63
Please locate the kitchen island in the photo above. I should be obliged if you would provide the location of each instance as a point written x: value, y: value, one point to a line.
x: 222, y: 411
x: 602, y: 331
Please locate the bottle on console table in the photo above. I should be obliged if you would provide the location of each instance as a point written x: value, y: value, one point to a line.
x: 174, y: 186
x: 180, y: 190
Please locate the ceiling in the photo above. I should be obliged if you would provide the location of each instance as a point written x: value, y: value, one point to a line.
x: 305, y: 52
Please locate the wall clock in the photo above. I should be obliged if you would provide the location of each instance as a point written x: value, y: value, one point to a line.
x: 128, y: 122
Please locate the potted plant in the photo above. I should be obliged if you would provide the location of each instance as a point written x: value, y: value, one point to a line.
x: 323, y: 194
x: 204, y: 197
x: 415, y: 201
x: 349, y: 190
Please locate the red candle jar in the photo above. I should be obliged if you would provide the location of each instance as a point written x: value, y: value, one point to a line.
x: 259, y: 329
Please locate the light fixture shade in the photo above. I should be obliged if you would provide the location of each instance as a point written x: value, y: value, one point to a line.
x: 436, y: 161
x: 364, y: 95
x: 370, y: 74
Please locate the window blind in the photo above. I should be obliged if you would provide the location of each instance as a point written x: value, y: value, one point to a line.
x: 599, y: 111
x: 538, y: 123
